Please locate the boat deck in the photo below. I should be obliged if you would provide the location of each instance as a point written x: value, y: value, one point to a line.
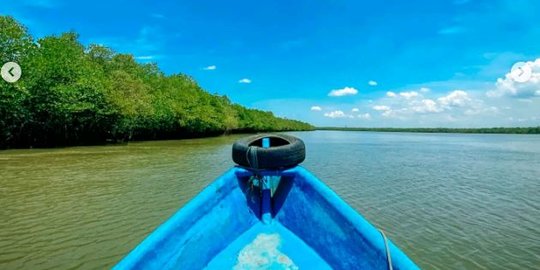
x: 268, y: 246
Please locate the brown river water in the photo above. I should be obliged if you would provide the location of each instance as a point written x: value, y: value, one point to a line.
x: 450, y: 201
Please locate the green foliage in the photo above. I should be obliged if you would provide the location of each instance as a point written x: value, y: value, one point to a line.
x: 15, y: 45
x: 71, y: 94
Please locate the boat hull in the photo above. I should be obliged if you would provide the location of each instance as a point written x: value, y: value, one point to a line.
x: 309, y: 226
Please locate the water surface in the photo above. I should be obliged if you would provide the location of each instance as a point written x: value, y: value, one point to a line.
x: 450, y: 201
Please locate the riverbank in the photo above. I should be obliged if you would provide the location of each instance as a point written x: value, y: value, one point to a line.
x: 166, y: 137
x: 493, y: 130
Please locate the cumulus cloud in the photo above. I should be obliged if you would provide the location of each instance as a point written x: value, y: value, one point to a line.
x: 245, y: 80
x: 342, y: 114
x: 393, y: 113
x: 212, y: 67
x: 365, y: 116
x: 516, y: 104
x: 316, y: 108
x: 372, y: 83
x: 455, y: 102
x: 413, y: 102
x: 336, y: 114
x: 381, y: 108
x: 511, y: 85
x: 457, y: 98
x: 347, y: 91
x: 409, y: 95
x: 426, y: 106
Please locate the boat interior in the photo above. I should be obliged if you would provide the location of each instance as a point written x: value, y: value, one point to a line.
x: 271, y: 220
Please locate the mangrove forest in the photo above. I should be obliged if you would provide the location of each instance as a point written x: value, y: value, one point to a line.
x: 73, y: 94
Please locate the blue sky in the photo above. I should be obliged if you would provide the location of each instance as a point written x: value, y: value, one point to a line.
x: 331, y: 63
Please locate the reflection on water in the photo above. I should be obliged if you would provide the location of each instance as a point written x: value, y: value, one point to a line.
x: 449, y: 201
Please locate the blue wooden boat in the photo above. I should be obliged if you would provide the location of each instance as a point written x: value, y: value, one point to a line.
x: 267, y: 213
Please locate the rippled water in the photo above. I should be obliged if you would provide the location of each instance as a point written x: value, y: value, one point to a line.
x: 449, y: 201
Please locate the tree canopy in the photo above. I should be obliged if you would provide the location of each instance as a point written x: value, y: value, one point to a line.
x: 73, y: 94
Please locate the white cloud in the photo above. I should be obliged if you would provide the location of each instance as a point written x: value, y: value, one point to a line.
x: 372, y: 83
x: 426, y: 106
x: 381, y: 108
x: 410, y: 105
x: 391, y: 113
x: 347, y: 91
x: 336, y: 114
x: 365, y: 116
x: 409, y: 95
x: 508, y: 86
x: 212, y: 67
x: 457, y: 98
x: 316, y: 108
x: 245, y: 80
x: 465, y: 105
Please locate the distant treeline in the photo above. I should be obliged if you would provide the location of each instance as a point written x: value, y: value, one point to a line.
x: 71, y: 94
x: 500, y: 130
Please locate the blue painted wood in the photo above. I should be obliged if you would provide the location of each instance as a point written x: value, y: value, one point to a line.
x: 266, y: 142
x: 222, y: 228
x: 266, y: 191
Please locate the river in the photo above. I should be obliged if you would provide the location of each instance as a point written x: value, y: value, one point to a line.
x: 450, y: 201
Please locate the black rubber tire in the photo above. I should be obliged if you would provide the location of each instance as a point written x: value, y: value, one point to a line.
x: 285, y: 151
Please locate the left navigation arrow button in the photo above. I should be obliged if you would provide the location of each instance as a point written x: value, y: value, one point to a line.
x: 11, y: 72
